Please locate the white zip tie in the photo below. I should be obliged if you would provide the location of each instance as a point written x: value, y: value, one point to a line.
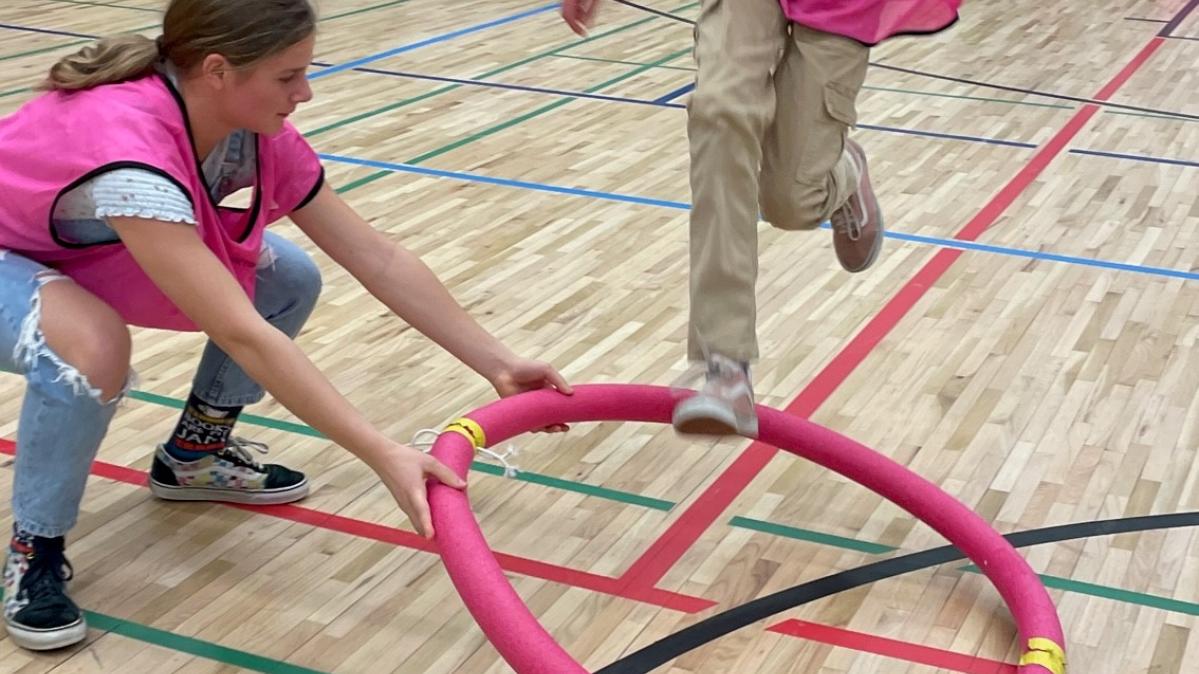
x: 510, y: 468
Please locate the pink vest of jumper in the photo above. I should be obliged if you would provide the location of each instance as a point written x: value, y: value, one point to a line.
x: 59, y: 141
x: 872, y: 21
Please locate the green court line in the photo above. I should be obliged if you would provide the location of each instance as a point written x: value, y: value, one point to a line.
x: 1148, y: 114
x: 189, y: 645
x: 985, y: 99
x: 94, y: 3
x: 265, y: 422
x: 811, y: 536
x: 868, y: 86
x: 524, y: 476
x: 192, y: 646
x: 363, y: 10
x: 43, y: 50
x: 352, y: 12
x: 542, y: 110
x: 365, y: 180
x: 490, y: 73
x: 355, y: 184
x: 581, y: 488
x: 1056, y: 582
x: 378, y: 111
x: 1115, y: 593
x: 64, y: 45
x: 13, y: 92
x: 76, y: 43
x: 623, y: 63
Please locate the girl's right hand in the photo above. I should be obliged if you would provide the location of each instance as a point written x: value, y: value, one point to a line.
x: 404, y: 471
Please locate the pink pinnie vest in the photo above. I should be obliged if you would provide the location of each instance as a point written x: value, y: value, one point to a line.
x: 59, y: 141
x: 872, y: 21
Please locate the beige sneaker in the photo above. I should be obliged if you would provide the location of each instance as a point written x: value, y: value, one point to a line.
x: 725, y: 405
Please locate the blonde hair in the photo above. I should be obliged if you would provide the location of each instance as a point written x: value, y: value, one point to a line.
x: 243, y: 31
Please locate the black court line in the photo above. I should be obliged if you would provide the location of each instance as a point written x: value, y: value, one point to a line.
x: 1033, y: 92
x: 1169, y: 28
x: 1165, y: 32
x: 714, y: 627
x: 45, y: 31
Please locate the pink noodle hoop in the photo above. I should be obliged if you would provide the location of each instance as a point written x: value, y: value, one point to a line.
x: 530, y: 649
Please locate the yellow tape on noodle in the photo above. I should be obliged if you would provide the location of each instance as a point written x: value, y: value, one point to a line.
x: 1046, y: 653
x: 469, y: 429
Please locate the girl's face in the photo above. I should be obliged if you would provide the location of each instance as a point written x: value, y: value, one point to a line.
x: 260, y: 97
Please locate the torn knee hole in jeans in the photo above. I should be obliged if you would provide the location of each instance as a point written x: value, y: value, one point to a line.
x: 31, y: 345
x: 267, y: 257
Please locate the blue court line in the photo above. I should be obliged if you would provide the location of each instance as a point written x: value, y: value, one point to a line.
x: 350, y: 65
x: 1137, y: 157
x: 683, y: 206
x: 505, y: 182
x: 1048, y: 257
x: 685, y: 89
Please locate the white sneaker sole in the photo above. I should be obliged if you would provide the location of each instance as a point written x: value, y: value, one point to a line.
x: 244, y: 496
x: 47, y: 640
x: 705, y: 415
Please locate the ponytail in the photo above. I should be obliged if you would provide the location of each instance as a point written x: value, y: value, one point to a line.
x: 110, y: 60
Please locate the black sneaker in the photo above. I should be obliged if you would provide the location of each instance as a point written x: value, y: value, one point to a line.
x: 228, y: 475
x: 37, y: 611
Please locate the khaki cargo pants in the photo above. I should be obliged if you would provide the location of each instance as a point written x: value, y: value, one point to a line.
x: 767, y: 123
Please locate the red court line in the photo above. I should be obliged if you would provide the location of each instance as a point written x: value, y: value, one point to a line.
x: 363, y: 529
x: 663, y: 554
x: 812, y: 631
x: 900, y: 650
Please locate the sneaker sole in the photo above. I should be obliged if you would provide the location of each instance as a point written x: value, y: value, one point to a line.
x: 47, y: 640
x: 259, y: 497
x: 698, y: 415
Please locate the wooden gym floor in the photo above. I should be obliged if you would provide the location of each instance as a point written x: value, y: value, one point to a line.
x: 1028, y: 343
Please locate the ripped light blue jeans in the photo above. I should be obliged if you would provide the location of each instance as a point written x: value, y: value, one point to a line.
x: 63, y: 419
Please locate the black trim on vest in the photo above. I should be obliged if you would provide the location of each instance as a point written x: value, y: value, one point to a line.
x: 257, y: 207
x: 316, y: 189
x: 90, y: 175
x: 191, y: 137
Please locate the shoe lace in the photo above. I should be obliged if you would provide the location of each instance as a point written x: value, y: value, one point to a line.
x: 844, y: 221
x: 48, y: 570
x: 238, y: 450
x: 715, y: 368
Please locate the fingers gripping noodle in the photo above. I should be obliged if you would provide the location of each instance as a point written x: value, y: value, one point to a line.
x: 530, y: 649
